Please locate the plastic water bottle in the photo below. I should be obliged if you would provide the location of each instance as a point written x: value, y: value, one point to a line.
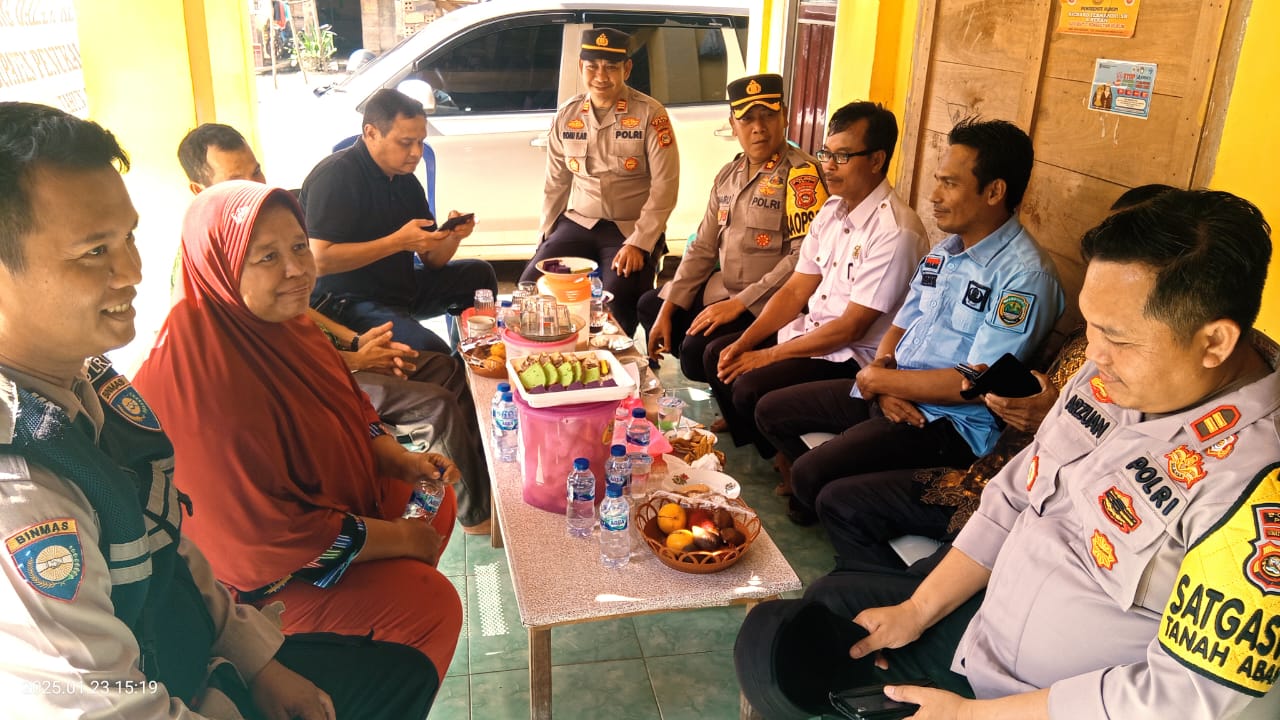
x: 503, y: 387
x: 505, y: 312
x: 617, y: 469
x: 615, y: 535
x: 425, y: 501
x: 638, y: 431
x: 505, y: 423
x: 597, y: 303
x: 581, y: 508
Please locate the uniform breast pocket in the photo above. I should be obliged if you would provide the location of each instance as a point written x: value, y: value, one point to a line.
x: 630, y: 163
x: 965, y: 319
x: 575, y: 150
x: 1123, y: 535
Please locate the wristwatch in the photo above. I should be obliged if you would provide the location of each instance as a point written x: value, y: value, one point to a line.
x: 355, y: 343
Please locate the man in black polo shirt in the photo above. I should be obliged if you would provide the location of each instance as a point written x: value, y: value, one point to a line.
x: 367, y: 215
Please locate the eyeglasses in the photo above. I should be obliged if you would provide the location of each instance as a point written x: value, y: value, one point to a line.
x: 840, y: 157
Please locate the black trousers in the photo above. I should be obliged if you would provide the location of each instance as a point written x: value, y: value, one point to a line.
x: 696, y: 362
x: 365, y: 678
x: 866, y: 441
x: 862, y: 513
x: 791, y: 653
x: 600, y: 243
x: 739, y: 402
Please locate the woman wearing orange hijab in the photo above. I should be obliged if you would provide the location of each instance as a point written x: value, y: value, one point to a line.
x: 296, y: 491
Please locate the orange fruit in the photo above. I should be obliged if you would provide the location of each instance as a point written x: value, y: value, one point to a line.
x: 671, y: 517
x: 679, y: 540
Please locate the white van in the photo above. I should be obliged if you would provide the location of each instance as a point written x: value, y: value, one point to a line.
x: 498, y: 70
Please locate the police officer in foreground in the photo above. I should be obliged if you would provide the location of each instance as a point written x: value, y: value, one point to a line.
x: 108, y: 610
x: 612, y: 176
x: 1130, y: 556
x: 760, y: 208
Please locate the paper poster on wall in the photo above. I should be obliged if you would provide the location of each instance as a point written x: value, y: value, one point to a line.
x: 40, y: 55
x: 1112, y: 18
x: 1122, y: 88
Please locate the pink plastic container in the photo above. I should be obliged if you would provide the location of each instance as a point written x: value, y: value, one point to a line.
x: 550, y: 439
x: 518, y: 346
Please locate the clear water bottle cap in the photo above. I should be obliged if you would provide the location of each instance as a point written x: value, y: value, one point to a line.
x: 618, y: 451
x: 613, y: 490
x: 581, y: 464
x: 504, y: 387
x: 637, y: 412
x: 506, y: 396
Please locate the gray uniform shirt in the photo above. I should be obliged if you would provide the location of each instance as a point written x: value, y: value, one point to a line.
x: 624, y: 168
x: 748, y: 232
x: 73, y: 657
x: 1128, y: 558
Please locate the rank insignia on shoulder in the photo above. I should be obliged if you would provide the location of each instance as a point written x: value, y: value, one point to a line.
x: 1117, y: 505
x: 586, y: 106
x: 621, y: 107
x: 1221, y: 449
x: 1103, y: 552
x: 1186, y: 466
x: 1033, y: 471
x: 1099, y: 389
x: 1216, y: 422
x: 48, y: 556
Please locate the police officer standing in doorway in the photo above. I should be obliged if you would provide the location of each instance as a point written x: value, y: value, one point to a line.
x: 612, y: 176
x: 760, y: 207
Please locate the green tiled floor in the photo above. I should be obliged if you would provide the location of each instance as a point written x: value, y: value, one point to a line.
x: 671, y: 666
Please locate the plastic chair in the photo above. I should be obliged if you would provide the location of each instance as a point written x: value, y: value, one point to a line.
x: 428, y: 159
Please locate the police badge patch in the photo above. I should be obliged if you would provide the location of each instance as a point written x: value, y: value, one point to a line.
x: 47, y: 555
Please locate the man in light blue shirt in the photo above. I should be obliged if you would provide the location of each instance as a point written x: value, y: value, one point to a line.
x: 986, y: 290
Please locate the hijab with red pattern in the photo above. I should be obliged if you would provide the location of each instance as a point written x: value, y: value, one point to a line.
x: 270, y: 431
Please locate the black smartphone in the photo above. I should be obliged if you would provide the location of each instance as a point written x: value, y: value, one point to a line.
x: 870, y: 702
x: 1006, y: 377
x: 454, y: 222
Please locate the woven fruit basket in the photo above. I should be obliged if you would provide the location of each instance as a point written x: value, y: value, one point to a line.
x: 697, y: 561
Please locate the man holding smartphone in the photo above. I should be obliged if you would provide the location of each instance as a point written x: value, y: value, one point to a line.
x: 368, y: 217
x: 1126, y: 564
x: 985, y: 290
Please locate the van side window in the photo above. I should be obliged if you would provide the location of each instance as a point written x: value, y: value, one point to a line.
x: 515, y: 69
x: 679, y: 65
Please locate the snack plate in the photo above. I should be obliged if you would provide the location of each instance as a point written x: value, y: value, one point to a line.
x: 680, y: 476
x: 554, y: 398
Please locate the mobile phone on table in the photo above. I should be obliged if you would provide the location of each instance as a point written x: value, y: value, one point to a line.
x: 870, y: 702
x: 454, y: 222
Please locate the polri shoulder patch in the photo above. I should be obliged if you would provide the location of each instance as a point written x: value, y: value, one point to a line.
x: 1222, y: 617
x: 48, y: 556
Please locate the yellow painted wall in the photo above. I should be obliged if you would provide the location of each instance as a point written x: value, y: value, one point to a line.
x: 153, y: 71
x: 1250, y: 144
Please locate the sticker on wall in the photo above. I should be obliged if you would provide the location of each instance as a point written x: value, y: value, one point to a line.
x: 1109, y: 18
x: 1122, y: 88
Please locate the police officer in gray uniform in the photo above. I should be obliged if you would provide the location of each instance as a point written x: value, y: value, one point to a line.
x: 1130, y: 556
x: 612, y: 176
x: 760, y: 208
x: 108, y: 610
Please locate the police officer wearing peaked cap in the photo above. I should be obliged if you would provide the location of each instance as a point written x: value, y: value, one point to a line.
x: 745, y: 93
x: 613, y: 172
x: 748, y: 243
